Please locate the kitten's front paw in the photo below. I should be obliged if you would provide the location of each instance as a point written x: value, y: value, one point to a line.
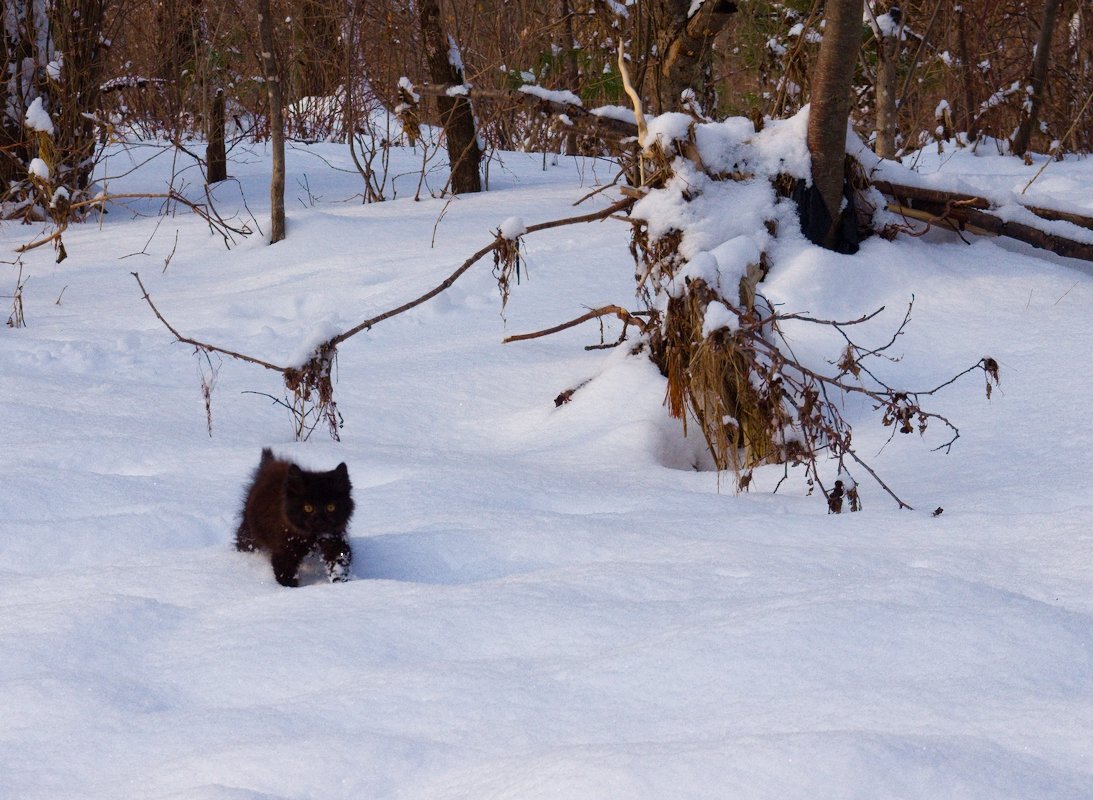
x: 338, y: 570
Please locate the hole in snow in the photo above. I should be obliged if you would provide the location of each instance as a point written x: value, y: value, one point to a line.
x: 444, y: 558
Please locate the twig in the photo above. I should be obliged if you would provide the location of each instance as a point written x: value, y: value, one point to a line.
x: 612, y: 310
x: 276, y: 400
x: 208, y: 348
x: 604, y: 188
x: 167, y: 261
x: 1064, y: 137
x: 440, y: 216
x: 877, y: 478
x: 1068, y: 291
x: 53, y: 237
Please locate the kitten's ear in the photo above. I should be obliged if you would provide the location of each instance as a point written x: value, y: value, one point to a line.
x: 294, y: 476
x: 342, y: 470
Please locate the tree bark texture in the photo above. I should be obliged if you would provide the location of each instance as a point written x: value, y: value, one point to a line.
x: 1040, y: 65
x: 276, y: 123
x: 77, y: 33
x: 16, y: 62
x: 963, y: 54
x: 456, y: 115
x: 688, y: 50
x: 572, y: 67
x: 216, y: 158
x: 888, y: 47
x: 830, y: 108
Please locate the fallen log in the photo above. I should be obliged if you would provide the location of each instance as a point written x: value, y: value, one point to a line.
x: 1059, y: 245
x: 935, y: 196
x: 942, y: 197
x: 970, y: 213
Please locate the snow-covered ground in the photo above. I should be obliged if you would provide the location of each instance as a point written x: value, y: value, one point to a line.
x: 549, y: 602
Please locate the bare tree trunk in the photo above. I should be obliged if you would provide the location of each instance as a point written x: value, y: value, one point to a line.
x: 216, y: 158
x: 688, y: 50
x: 77, y: 27
x: 1040, y: 65
x: 572, y: 68
x: 276, y: 123
x: 456, y: 115
x: 968, y: 114
x: 888, y: 47
x: 316, y: 48
x: 18, y: 27
x: 830, y: 111
x: 36, y: 35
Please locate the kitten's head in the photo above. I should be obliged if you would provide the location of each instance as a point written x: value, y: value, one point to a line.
x: 318, y: 502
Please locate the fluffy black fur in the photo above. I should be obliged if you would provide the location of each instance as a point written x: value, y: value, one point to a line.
x: 291, y: 511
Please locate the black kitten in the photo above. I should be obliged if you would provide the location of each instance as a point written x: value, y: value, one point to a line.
x: 290, y: 511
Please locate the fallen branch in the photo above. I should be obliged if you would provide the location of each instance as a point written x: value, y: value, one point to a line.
x: 203, y: 346
x: 52, y: 238
x: 964, y: 212
x: 497, y: 243
x: 618, y: 311
x: 584, y: 120
x: 1068, y: 248
x: 310, y: 384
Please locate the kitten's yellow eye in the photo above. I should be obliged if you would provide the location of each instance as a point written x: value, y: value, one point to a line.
x: 329, y: 506
x: 308, y: 508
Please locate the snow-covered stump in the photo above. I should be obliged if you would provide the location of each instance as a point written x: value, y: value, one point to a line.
x: 701, y: 236
x: 713, y: 200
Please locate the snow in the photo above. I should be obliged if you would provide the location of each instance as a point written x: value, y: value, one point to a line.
x: 620, y: 113
x: 323, y: 331
x: 407, y: 86
x: 563, y: 97
x: 455, y: 57
x: 547, y: 602
x: 38, y: 168
x: 666, y: 129
x: 782, y: 148
x: 37, y: 118
x: 513, y: 228
x: 888, y: 26
x: 1008, y: 183
x: 618, y: 9
x: 718, y: 317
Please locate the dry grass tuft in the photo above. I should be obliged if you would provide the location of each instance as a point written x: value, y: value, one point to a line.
x: 312, y: 394
x: 506, y: 266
